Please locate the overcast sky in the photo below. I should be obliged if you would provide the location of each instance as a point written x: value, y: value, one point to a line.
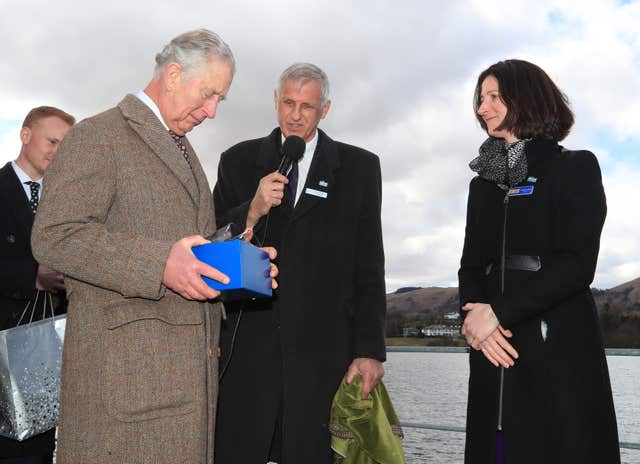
x: 402, y: 76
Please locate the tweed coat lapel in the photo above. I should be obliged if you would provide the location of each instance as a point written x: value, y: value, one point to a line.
x: 321, y: 175
x: 142, y: 120
x: 205, y: 209
x: 11, y: 187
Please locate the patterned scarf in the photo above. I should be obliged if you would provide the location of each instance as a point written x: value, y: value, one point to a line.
x: 492, y: 162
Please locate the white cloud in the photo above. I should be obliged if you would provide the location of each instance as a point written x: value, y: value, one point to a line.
x: 402, y: 82
x: 620, y: 247
x: 9, y: 145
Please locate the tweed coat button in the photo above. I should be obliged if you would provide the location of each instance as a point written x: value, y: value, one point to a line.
x: 11, y: 238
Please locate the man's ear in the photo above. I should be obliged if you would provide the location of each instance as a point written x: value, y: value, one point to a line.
x: 325, y: 109
x: 25, y: 135
x: 275, y: 98
x: 172, y: 76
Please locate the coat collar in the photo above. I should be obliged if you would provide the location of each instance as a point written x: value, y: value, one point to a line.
x: 322, y: 169
x: 269, y: 155
x: 541, y: 150
x: 13, y: 190
x: 142, y: 120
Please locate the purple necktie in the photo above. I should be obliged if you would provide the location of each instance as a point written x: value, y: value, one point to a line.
x: 181, y: 146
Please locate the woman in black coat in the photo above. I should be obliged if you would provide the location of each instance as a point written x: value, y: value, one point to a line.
x: 538, y: 373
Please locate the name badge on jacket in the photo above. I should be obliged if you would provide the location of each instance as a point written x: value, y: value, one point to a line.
x: 315, y: 193
x: 519, y: 191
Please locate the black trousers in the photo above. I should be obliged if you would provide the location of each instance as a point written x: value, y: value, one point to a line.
x: 275, y: 451
x: 38, y: 449
x: 44, y: 459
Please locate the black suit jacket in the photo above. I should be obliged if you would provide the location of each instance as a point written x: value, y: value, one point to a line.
x: 18, y: 270
x: 329, y: 307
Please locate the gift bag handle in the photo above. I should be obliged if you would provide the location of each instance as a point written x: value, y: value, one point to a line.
x: 35, y: 303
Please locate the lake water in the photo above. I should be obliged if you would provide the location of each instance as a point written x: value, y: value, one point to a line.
x: 432, y: 388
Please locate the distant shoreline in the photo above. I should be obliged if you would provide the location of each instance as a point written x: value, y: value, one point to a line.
x: 459, y: 342
x: 425, y: 341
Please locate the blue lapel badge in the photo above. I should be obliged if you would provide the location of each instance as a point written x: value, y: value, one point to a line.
x: 519, y: 191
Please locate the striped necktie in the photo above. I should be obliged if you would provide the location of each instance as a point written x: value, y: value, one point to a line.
x: 293, y: 181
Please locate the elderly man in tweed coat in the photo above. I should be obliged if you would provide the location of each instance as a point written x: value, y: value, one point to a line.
x: 124, y: 201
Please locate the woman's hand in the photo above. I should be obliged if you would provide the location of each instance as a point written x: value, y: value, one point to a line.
x: 498, y: 350
x: 483, y: 332
x: 479, y: 323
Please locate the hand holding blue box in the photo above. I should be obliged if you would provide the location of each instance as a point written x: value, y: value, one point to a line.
x: 247, y: 266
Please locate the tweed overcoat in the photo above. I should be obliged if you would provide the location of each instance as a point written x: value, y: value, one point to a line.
x: 292, y: 350
x: 139, y: 378
x: 558, y: 406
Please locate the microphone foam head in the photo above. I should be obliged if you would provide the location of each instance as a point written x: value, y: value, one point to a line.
x: 293, y: 147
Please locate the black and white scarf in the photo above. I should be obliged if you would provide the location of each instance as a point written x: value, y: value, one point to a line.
x: 492, y: 162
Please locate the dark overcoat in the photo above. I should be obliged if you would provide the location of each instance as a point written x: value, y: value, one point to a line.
x: 557, y: 406
x: 18, y: 271
x: 292, y: 351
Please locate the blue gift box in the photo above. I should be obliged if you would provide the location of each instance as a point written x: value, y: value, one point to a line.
x: 247, y: 266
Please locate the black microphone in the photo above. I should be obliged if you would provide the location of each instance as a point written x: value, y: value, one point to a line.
x: 292, y: 150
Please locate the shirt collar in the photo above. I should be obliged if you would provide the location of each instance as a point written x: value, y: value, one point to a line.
x: 23, y: 176
x: 146, y: 99
x: 310, y: 147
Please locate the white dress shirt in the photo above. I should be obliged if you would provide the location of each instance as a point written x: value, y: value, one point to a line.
x: 304, y: 164
x: 24, y: 177
x: 146, y: 99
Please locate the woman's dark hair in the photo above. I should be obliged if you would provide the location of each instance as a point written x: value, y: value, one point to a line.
x: 536, y: 108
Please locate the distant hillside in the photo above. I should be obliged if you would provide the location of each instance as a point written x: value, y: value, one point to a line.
x: 619, y: 310
x: 626, y: 294
x: 618, y: 307
x: 424, y: 300
x: 419, y: 308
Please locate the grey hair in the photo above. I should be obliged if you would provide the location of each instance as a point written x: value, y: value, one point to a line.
x: 301, y: 73
x: 192, y: 50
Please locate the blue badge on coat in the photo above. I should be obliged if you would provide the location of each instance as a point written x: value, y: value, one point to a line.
x: 519, y: 191
x: 532, y: 179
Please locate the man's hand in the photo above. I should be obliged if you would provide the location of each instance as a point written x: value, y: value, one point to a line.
x: 274, y: 269
x: 371, y: 371
x: 49, y: 280
x: 479, y: 323
x: 498, y: 350
x: 183, y: 271
x: 247, y: 235
x: 269, y: 194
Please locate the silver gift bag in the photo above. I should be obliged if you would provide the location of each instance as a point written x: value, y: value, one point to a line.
x: 30, y: 359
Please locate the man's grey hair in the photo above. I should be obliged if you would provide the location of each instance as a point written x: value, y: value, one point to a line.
x: 301, y: 73
x: 193, y: 50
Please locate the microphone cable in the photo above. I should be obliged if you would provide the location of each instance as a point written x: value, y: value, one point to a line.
x: 292, y: 151
x: 242, y: 306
